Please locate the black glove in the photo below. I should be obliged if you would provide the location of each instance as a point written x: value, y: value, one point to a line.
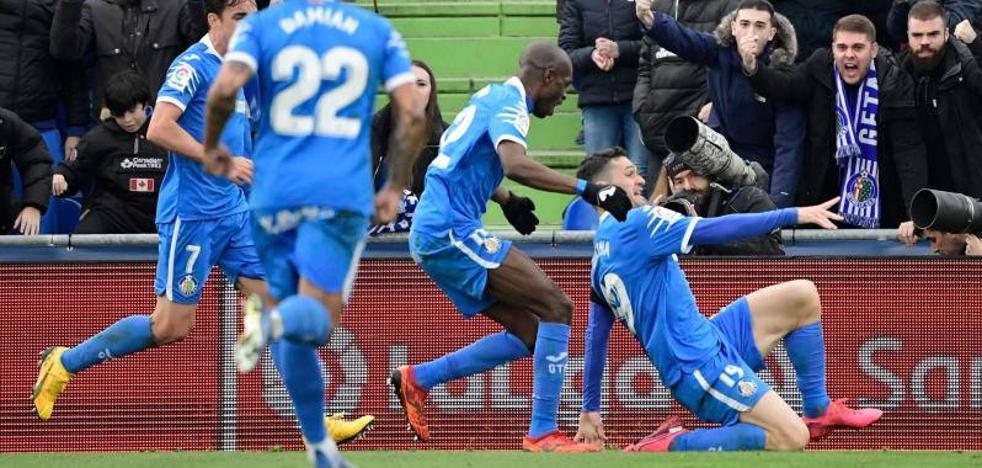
x: 609, y: 197
x: 519, y: 212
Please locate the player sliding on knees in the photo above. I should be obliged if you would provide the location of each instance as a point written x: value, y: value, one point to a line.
x: 709, y: 365
x: 203, y: 221
x: 483, y: 274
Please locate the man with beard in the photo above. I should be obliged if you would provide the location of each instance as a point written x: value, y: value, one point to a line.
x: 768, y: 131
x: 863, y: 142
x: 948, y: 94
x: 698, y: 195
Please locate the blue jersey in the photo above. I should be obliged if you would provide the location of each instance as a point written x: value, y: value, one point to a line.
x: 636, y: 270
x: 188, y: 191
x: 465, y: 174
x: 319, y: 66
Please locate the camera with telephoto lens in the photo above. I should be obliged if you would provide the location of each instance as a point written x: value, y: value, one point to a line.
x: 683, y: 202
x: 948, y: 212
x: 708, y: 154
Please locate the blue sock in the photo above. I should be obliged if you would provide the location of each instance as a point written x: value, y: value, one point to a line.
x: 304, y: 320
x: 484, y: 354
x: 551, y: 354
x: 127, y: 336
x: 300, y: 369
x: 806, y: 349
x: 741, y: 436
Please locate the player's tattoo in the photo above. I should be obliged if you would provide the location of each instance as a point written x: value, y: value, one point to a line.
x: 221, y: 100
x: 405, y: 144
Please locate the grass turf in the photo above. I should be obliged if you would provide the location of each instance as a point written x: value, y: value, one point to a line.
x: 492, y: 459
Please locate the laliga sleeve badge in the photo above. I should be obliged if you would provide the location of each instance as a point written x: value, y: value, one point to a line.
x: 747, y: 387
x: 188, y: 285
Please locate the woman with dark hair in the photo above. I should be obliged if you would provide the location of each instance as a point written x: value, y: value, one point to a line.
x: 381, y: 130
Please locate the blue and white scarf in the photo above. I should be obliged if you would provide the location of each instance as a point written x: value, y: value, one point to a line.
x: 859, y: 201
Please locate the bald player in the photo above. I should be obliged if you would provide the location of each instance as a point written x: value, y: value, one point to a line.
x: 483, y: 274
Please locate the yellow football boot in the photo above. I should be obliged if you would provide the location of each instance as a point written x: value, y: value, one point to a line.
x: 343, y: 430
x: 52, y: 378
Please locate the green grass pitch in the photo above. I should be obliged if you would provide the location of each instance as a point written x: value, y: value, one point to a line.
x: 503, y: 459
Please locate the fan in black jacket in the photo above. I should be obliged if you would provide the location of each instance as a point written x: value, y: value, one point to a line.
x: 22, y: 144
x: 126, y: 168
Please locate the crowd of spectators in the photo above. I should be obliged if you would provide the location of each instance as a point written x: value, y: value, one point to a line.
x: 765, y: 75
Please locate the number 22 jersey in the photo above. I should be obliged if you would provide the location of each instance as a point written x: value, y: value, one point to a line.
x: 319, y: 65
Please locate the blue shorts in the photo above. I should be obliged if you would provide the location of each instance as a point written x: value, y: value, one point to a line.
x: 460, y: 266
x: 727, y: 384
x: 189, y: 249
x: 318, y: 244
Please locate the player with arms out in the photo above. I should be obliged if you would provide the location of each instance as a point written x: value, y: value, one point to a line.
x: 319, y: 65
x: 481, y: 273
x: 709, y: 365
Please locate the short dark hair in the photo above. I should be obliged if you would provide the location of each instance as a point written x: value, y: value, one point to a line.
x: 218, y: 6
x: 125, y: 90
x: 926, y: 10
x: 595, y: 165
x: 759, y: 5
x: 856, y: 24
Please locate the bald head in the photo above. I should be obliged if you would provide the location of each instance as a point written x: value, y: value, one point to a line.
x: 546, y: 71
x: 544, y: 55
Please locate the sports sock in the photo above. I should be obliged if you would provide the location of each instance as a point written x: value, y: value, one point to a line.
x: 300, y: 369
x: 127, y: 336
x: 806, y: 350
x: 303, y: 320
x: 550, y: 357
x: 741, y: 436
x: 484, y: 354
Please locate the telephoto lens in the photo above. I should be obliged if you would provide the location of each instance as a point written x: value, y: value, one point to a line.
x: 708, y: 153
x: 949, y: 212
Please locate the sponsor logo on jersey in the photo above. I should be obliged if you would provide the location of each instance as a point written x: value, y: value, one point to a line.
x: 142, y: 163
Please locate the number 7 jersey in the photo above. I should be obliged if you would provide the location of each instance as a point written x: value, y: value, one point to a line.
x: 319, y: 65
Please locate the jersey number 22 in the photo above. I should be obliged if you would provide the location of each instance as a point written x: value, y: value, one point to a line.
x: 311, y: 70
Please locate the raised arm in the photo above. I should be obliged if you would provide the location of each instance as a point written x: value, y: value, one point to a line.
x: 696, y: 47
x: 788, y: 84
x: 733, y: 227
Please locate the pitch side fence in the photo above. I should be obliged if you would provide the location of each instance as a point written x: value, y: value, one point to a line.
x: 902, y: 334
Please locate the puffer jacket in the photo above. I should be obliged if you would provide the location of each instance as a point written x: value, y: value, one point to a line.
x: 32, y: 82
x: 143, y: 35
x: 583, y: 22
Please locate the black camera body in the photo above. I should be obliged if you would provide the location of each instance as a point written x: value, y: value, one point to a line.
x: 949, y: 212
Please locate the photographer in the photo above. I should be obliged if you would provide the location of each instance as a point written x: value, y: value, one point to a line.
x: 950, y: 220
x: 695, y: 194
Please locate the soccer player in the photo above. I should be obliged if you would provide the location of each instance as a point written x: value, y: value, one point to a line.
x: 202, y: 220
x: 319, y: 65
x: 709, y: 365
x: 481, y: 273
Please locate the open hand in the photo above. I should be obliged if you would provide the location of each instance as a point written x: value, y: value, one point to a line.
x: 819, y: 214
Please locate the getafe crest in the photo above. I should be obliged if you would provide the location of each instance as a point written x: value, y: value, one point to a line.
x: 188, y: 285
x: 747, y: 387
x: 861, y: 189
